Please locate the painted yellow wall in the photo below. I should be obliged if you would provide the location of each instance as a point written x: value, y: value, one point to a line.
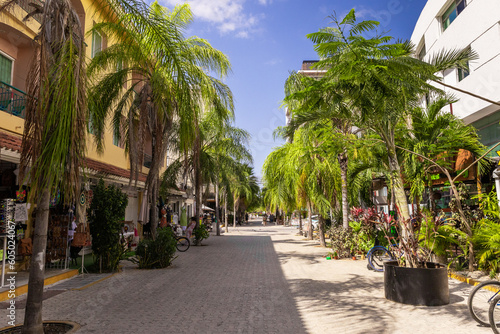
x: 13, y: 18
x: 112, y: 155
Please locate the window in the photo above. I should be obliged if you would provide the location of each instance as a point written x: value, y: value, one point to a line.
x: 421, y: 53
x: 118, y: 141
x: 5, y: 69
x: 96, y: 43
x: 422, y: 50
x: 463, y: 73
x: 452, y: 12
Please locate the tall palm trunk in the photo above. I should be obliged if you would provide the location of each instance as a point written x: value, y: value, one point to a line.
x: 310, y: 224
x: 225, y: 212
x: 197, y: 175
x: 217, y: 213
x: 33, y: 319
x: 321, y: 231
x: 300, y: 223
x: 343, y: 162
x: 153, y: 196
x: 397, y: 186
x: 234, y: 211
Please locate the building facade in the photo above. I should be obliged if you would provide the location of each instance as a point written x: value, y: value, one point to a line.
x: 16, y: 53
x: 460, y: 24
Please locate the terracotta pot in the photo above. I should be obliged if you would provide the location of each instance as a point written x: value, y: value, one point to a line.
x: 354, y: 258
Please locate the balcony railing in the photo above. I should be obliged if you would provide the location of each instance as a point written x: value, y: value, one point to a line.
x: 25, y: 4
x: 12, y: 100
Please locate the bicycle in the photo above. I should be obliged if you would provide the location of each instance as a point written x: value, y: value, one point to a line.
x: 494, y: 314
x: 376, y: 257
x: 182, y: 243
x: 480, y: 299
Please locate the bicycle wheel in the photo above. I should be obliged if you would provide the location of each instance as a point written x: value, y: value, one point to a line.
x: 182, y: 244
x: 376, y: 257
x: 494, y: 314
x: 480, y: 299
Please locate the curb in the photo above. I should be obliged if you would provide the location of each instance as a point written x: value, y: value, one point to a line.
x: 98, y: 281
x: 21, y: 290
x: 464, y: 279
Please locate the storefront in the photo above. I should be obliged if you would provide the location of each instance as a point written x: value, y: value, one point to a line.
x: 14, y: 205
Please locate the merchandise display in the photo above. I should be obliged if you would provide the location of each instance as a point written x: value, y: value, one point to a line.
x: 7, y: 208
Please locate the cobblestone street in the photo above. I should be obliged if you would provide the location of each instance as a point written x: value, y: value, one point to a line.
x: 254, y: 279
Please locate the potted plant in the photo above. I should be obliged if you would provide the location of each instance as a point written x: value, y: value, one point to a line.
x: 411, y: 279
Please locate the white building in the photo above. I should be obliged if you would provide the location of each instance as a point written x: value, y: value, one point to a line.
x: 457, y: 24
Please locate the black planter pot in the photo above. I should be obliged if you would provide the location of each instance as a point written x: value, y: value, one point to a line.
x: 416, y: 286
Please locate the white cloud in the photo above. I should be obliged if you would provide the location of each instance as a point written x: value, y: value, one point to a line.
x: 273, y: 62
x: 229, y: 16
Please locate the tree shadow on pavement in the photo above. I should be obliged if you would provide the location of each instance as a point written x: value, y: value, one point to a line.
x: 357, y: 304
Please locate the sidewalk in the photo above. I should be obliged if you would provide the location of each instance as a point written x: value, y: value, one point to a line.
x: 254, y: 279
x: 21, y: 281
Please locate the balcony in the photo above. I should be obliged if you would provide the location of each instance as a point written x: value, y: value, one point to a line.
x: 12, y: 100
x: 28, y: 8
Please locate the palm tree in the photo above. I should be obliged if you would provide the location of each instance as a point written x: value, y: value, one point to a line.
x: 53, y: 144
x: 381, y: 80
x: 241, y: 187
x: 300, y: 173
x: 326, y: 105
x: 222, y: 150
x: 165, y: 80
x: 281, y: 177
x: 439, y: 136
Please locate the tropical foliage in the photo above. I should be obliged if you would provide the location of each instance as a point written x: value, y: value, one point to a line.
x: 105, y: 216
x: 159, y: 77
x: 53, y: 146
x: 362, y: 119
x: 157, y: 253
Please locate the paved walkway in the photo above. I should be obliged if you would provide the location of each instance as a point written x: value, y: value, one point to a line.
x: 254, y: 279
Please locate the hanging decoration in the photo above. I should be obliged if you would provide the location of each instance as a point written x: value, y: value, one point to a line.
x: 83, y: 198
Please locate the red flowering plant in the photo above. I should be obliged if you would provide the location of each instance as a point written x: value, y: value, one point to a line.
x: 369, y: 227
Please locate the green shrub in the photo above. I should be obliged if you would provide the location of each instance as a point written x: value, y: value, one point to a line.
x: 105, y: 216
x: 200, y: 233
x: 362, y: 237
x: 342, y: 241
x: 158, y: 253
x: 487, y: 242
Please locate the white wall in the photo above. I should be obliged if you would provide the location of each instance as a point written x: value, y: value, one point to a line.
x: 131, y: 211
x: 478, y: 27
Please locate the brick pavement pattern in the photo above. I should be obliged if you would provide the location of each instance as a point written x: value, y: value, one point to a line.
x: 254, y: 279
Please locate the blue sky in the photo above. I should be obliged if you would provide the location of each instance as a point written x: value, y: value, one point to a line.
x: 266, y: 39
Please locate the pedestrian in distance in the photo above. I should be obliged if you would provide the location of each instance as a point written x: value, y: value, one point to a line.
x: 190, y: 228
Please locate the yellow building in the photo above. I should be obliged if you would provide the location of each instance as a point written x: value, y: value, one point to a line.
x: 16, y: 51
